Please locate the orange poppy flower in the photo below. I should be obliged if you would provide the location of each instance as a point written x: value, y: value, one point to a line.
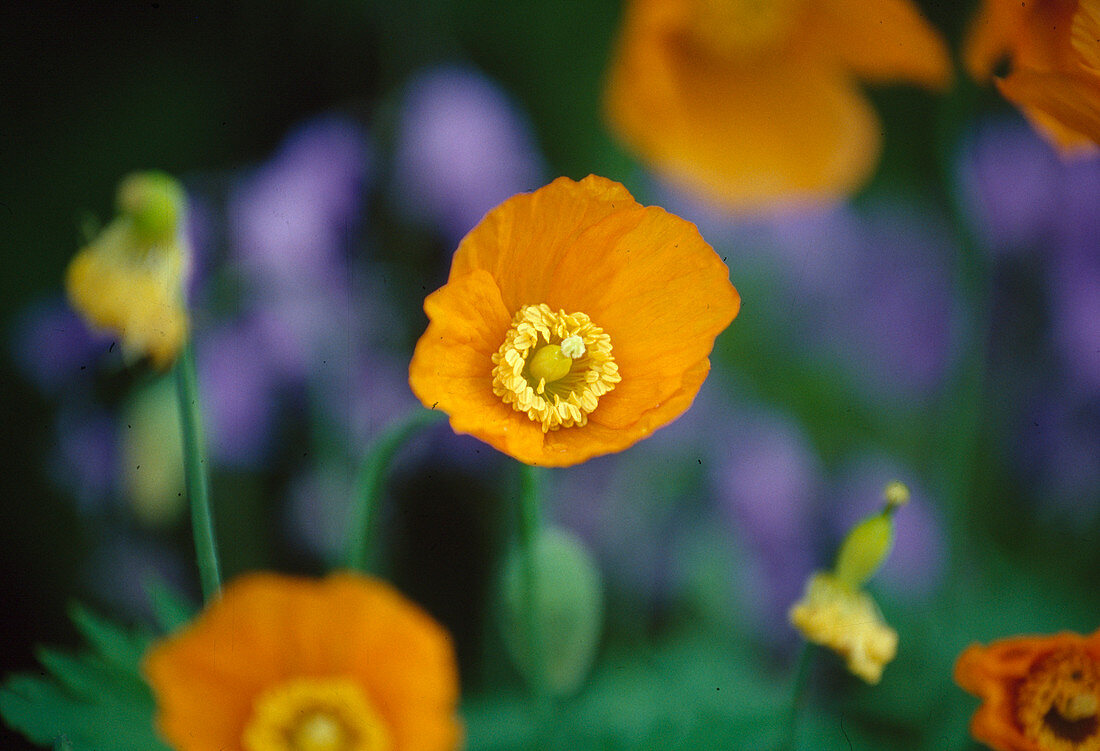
x: 750, y: 103
x: 285, y: 664
x: 1039, y: 693
x: 574, y: 323
x: 1054, y: 50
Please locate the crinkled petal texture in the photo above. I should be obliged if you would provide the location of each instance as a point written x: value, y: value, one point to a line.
x: 267, y: 629
x: 644, y: 276
x: 784, y: 121
x: 998, y: 672
x: 133, y: 292
x: 1054, y: 49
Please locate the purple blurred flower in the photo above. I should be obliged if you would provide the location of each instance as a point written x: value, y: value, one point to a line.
x: 462, y: 148
x: 239, y: 388
x: 1011, y: 182
x: 1031, y: 201
x: 291, y: 220
x: 868, y: 289
x: 768, y: 485
x: 52, y: 346
x: 86, y: 458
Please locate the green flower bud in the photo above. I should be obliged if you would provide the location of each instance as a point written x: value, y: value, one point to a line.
x: 154, y: 202
x: 868, y: 543
x: 567, y: 615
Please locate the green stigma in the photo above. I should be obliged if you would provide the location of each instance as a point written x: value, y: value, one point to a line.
x: 549, y: 364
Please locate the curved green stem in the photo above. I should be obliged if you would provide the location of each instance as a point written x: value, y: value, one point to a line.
x: 962, y: 404
x: 196, y: 474
x: 371, y: 484
x: 798, y: 695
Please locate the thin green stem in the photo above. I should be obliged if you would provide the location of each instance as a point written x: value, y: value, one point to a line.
x: 371, y: 484
x: 196, y: 474
x: 962, y: 405
x: 530, y: 524
x: 797, y: 697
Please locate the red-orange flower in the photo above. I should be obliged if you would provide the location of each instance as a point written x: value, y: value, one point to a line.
x: 286, y: 664
x: 1053, y: 47
x: 574, y: 323
x: 1039, y: 693
x: 752, y: 102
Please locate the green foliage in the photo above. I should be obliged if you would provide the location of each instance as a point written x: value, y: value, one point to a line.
x: 687, y: 693
x: 95, y: 700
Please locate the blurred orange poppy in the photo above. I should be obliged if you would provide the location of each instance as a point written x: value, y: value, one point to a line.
x: 574, y: 323
x: 1039, y: 693
x: 286, y: 664
x: 1053, y: 47
x: 749, y: 103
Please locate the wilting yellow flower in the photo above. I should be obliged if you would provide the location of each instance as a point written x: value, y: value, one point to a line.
x: 750, y: 102
x: 835, y: 613
x: 129, y: 280
x: 847, y: 621
x: 1039, y: 693
x: 574, y: 323
x: 1053, y: 47
x: 285, y: 664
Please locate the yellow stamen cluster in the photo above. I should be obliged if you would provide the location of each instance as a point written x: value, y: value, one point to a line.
x: 847, y: 621
x: 737, y: 28
x: 1059, y: 703
x: 315, y: 714
x: 554, y: 366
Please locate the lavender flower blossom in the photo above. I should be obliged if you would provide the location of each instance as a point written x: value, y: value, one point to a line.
x: 462, y: 148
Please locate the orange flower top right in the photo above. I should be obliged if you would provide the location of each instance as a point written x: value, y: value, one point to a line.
x: 751, y: 103
x: 1053, y: 52
x: 1039, y: 693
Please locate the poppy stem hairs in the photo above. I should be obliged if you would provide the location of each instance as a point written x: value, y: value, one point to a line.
x: 196, y: 475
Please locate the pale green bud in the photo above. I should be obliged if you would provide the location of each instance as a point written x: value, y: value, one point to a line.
x: 867, y: 545
x: 154, y: 202
x: 567, y: 616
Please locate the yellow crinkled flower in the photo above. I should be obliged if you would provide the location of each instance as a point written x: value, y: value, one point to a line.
x: 847, y: 621
x: 129, y: 280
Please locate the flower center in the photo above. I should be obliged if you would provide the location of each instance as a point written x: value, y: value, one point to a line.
x: 554, y: 366
x: 1058, y: 704
x: 739, y: 28
x: 315, y: 714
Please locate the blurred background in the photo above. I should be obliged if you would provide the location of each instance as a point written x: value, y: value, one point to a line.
x: 335, y: 152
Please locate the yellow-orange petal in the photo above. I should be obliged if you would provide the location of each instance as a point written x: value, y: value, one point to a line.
x: 1085, y: 34
x: 522, y: 242
x: 1066, y: 106
x: 266, y: 630
x: 885, y: 40
x: 993, y: 31
x: 995, y: 673
x: 784, y: 127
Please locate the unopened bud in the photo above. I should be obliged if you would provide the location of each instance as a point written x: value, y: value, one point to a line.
x: 566, y: 616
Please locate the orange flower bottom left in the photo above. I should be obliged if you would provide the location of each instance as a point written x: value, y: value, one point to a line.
x: 286, y: 664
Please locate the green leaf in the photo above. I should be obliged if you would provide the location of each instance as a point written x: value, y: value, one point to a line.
x: 112, y: 642
x: 96, y: 700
